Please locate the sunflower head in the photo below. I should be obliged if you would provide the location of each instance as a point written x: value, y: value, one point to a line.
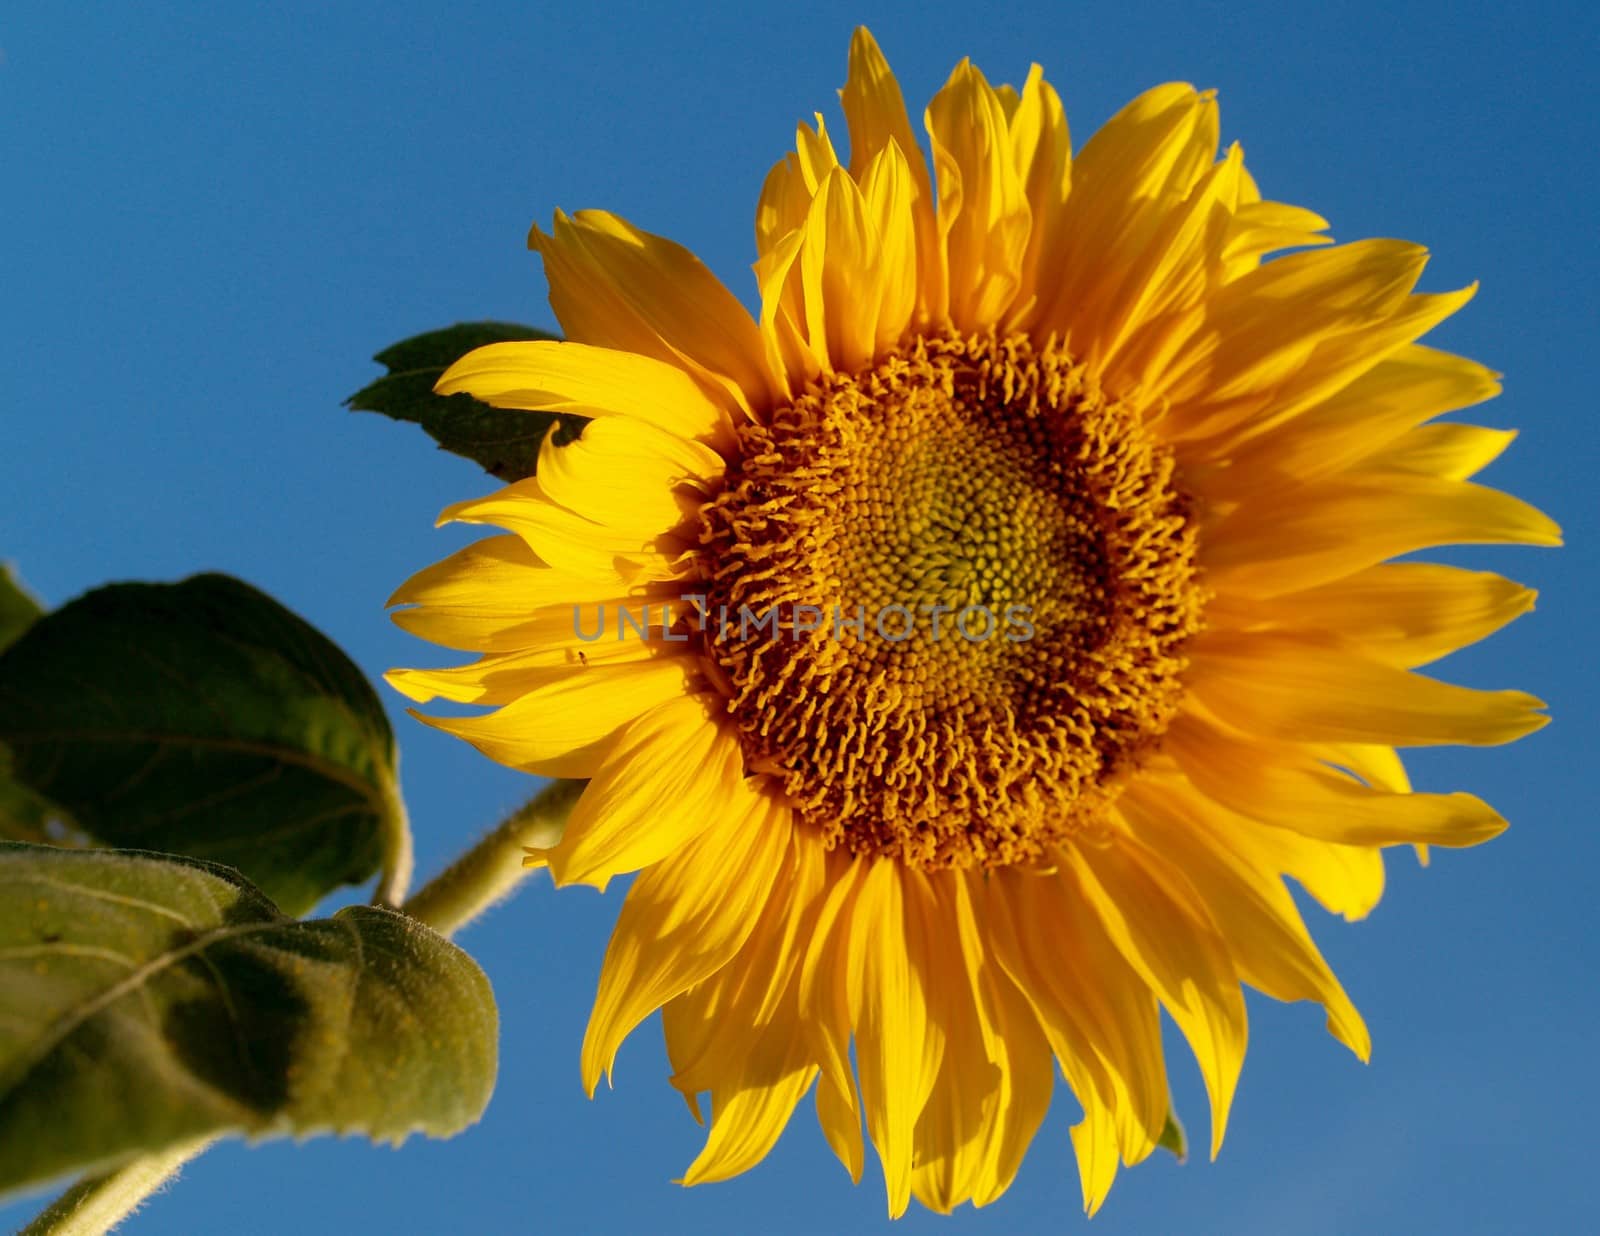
x: 965, y: 648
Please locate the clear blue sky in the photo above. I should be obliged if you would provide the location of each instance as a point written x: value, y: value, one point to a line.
x: 210, y: 220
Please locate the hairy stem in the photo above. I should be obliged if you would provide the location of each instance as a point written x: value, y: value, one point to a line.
x: 480, y: 879
x: 395, y: 878
x: 487, y: 873
x: 97, y: 1204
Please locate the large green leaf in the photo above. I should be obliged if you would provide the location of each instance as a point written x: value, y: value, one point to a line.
x: 504, y: 442
x: 146, y: 1001
x: 203, y: 718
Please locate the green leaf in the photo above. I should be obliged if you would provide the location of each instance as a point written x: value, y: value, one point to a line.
x: 147, y: 1000
x: 24, y: 816
x: 204, y: 718
x: 18, y: 609
x: 1174, y: 1139
x: 505, y: 442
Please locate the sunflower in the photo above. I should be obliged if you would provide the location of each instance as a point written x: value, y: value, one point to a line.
x: 965, y: 651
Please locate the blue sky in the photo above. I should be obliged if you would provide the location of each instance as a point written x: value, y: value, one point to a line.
x: 213, y: 216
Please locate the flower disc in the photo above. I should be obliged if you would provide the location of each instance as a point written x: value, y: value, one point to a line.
x: 949, y: 596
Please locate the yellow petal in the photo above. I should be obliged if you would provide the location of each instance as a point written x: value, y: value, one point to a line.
x: 1162, y: 279
x: 664, y: 779
x: 782, y: 204
x: 748, y: 1118
x: 1337, y: 359
x: 843, y: 283
x: 889, y: 189
x: 1100, y: 1017
x: 1279, y: 687
x: 615, y: 286
x: 814, y: 154
x: 1093, y: 1144
x: 555, y: 376
x: 875, y: 110
x: 839, y: 1118
x: 1165, y: 933
x: 738, y: 1033
x: 951, y: 1128
x: 825, y: 1011
x: 1158, y: 145
x: 628, y: 474
x: 783, y: 310
x: 1125, y: 181
x: 1316, y: 533
x: 1041, y: 151
x: 1265, y: 935
x: 1379, y: 766
x: 709, y: 1028
x: 500, y: 678
x: 1258, y: 228
x: 1345, y: 879
x: 898, y: 1048
x: 565, y: 727
x: 983, y: 206
x: 876, y: 113
x: 1401, y: 613
x: 1453, y: 452
x: 1286, y: 786
x: 841, y: 286
x: 995, y: 1079
x: 683, y: 920
x: 1026, y: 1084
x: 791, y: 184
x: 1413, y: 385
x: 1265, y: 327
x: 1055, y: 1001
x: 650, y: 550
x: 495, y: 595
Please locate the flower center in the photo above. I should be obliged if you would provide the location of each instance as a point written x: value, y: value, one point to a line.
x: 948, y: 597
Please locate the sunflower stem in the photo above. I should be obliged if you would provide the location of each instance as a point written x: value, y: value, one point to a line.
x: 399, y: 858
x: 488, y: 873
x: 97, y: 1204
x: 480, y: 879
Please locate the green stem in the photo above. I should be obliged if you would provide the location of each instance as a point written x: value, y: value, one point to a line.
x: 488, y: 873
x: 97, y: 1204
x: 480, y: 879
x: 395, y: 878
